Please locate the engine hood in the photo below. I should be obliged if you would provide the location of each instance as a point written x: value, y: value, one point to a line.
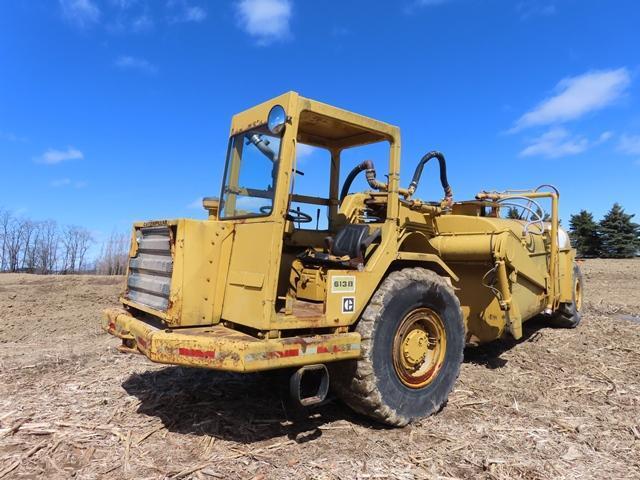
x: 175, y: 270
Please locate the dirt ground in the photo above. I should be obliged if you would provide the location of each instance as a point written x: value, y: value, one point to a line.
x: 558, y: 404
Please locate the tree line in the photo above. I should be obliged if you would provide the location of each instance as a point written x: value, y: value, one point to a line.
x: 614, y: 236
x: 45, y: 247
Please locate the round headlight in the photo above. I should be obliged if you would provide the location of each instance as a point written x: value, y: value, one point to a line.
x: 277, y: 119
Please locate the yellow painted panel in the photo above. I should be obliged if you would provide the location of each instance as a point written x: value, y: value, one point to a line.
x: 249, y: 297
x: 246, y: 279
x: 195, y: 272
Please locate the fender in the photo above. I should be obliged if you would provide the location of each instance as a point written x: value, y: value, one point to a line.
x: 427, y: 258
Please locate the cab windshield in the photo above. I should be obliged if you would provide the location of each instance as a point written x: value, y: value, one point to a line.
x: 250, y: 174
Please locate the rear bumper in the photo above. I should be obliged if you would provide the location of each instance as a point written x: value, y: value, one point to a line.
x: 221, y: 348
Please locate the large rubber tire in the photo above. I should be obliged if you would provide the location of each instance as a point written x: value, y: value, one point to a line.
x: 569, y: 314
x: 371, y: 385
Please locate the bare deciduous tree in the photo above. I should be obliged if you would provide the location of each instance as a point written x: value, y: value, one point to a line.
x: 14, y: 237
x: 5, y: 220
x: 85, y: 239
x: 114, y: 255
x: 75, y: 243
x: 31, y: 238
x: 47, y: 248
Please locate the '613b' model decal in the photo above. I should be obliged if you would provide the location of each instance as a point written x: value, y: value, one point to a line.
x: 343, y: 284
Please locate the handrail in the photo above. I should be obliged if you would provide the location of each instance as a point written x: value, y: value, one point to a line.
x: 554, y: 247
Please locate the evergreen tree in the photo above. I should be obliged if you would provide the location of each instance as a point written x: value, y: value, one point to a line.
x: 619, y: 235
x: 583, y: 230
x: 546, y: 217
x: 538, y: 216
x: 513, y: 213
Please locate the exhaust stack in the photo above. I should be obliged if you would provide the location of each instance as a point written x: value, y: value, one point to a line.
x: 309, y: 385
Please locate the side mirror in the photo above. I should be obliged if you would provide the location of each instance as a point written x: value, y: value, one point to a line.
x: 277, y: 119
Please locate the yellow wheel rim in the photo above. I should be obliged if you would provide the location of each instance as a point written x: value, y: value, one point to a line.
x: 419, y: 347
x: 578, y: 294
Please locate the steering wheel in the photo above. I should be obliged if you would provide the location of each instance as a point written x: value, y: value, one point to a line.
x: 298, y: 217
x: 293, y: 215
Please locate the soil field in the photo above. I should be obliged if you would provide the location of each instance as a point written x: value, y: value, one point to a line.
x: 557, y: 404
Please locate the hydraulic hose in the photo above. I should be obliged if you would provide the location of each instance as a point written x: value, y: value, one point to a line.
x: 448, y: 193
x: 262, y: 145
x: 370, y: 174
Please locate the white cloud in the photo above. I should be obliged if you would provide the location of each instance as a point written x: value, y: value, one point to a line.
x: 61, y: 182
x: 304, y: 150
x: 535, y: 8
x: 143, y: 23
x: 124, y: 4
x: 11, y: 137
x: 604, y: 136
x: 189, y: 14
x: 251, y: 203
x: 196, y: 204
x: 67, y: 182
x: 577, y: 96
x: 558, y: 142
x: 194, y: 14
x: 129, y: 16
x: 183, y: 12
x: 555, y: 143
x: 52, y: 156
x: 126, y: 22
x: 82, y: 13
x: 266, y: 20
x: 135, y: 63
x: 410, y: 7
x: 429, y: 3
x: 629, y: 144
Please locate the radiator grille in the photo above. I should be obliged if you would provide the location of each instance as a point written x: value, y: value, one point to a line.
x: 149, y: 281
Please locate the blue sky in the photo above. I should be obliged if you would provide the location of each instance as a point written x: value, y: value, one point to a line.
x: 118, y: 110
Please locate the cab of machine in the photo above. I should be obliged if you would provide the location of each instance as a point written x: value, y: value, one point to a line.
x: 307, y: 123
x: 257, y: 197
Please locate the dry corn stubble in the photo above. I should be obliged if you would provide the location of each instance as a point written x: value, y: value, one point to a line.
x: 560, y: 403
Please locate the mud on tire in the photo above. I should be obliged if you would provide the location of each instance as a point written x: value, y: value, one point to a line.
x: 372, y: 385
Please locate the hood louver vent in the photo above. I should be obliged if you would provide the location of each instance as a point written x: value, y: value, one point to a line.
x: 149, y: 281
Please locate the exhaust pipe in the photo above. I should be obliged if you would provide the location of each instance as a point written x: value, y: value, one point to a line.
x: 309, y: 385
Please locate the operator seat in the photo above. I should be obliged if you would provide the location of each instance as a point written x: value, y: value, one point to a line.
x: 346, y: 248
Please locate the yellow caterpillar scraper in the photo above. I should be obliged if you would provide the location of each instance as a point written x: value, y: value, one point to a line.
x: 379, y: 302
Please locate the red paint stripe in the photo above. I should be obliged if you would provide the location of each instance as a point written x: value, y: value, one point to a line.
x: 293, y: 352
x: 142, y: 342
x: 194, y: 352
x: 323, y: 349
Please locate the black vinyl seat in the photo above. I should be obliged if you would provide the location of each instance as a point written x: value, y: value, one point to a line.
x: 346, y: 248
x: 348, y: 241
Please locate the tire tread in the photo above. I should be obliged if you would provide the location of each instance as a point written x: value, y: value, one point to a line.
x: 358, y: 388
